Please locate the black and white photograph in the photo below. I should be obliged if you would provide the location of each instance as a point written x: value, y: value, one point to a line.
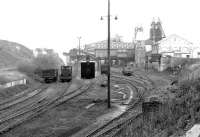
x: 99, y: 68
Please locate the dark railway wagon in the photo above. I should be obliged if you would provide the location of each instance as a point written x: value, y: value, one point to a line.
x: 65, y: 73
x: 87, y: 70
x: 104, y: 69
x: 49, y: 75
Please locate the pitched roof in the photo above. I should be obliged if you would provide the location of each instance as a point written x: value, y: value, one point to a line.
x: 174, y: 38
x: 175, y: 43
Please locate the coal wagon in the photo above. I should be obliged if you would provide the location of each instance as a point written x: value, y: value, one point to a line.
x: 49, y: 75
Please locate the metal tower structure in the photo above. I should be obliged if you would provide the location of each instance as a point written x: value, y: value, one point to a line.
x: 156, y: 34
x: 156, y: 31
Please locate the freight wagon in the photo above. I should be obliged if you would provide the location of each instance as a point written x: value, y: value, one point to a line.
x: 49, y: 75
x: 87, y: 70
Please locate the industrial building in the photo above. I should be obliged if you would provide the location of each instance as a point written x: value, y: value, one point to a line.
x: 120, y: 51
x: 162, y: 48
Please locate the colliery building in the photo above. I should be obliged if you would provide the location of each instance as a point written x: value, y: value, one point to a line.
x: 120, y: 51
x: 158, y: 50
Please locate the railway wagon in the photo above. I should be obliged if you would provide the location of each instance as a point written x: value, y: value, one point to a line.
x: 104, y: 69
x: 87, y: 70
x: 49, y: 75
x: 65, y: 73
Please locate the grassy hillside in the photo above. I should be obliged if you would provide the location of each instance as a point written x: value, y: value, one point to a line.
x: 11, y: 53
x: 22, y: 59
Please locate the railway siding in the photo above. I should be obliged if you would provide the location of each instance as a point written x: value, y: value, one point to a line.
x: 39, y: 105
x: 74, y: 103
x: 114, y: 119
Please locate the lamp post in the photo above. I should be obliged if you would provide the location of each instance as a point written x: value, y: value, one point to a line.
x: 108, y: 52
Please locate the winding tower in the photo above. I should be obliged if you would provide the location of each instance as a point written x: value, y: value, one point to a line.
x: 156, y: 34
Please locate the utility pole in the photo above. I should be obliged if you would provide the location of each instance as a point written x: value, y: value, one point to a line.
x: 109, y: 54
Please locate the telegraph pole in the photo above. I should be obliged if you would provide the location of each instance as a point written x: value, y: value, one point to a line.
x: 109, y: 54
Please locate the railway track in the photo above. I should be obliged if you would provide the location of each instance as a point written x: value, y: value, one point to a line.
x: 18, y: 95
x: 138, y: 76
x: 17, y: 115
x: 36, y: 107
x: 145, y: 77
x: 134, y: 111
x: 116, y: 129
x: 21, y: 104
x: 21, y: 97
x: 139, y: 80
x: 12, y: 109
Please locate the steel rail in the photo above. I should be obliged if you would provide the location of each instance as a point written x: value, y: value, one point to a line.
x: 125, y: 118
x: 43, y: 106
x: 13, y: 101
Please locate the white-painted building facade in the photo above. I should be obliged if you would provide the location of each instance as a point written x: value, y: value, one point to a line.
x: 196, y: 51
x: 176, y: 46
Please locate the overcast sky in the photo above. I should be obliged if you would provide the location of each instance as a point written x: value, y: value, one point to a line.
x: 57, y: 23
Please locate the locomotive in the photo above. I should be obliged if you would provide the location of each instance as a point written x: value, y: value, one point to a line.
x: 66, y: 73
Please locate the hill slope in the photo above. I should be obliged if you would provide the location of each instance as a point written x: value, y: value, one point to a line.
x: 11, y: 53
